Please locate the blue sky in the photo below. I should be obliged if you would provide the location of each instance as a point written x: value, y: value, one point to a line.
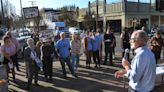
x: 51, y: 3
x: 56, y: 3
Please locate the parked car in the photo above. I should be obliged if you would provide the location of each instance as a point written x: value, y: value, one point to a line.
x: 75, y: 30
x: 24, y: 32
x: 3, y: 31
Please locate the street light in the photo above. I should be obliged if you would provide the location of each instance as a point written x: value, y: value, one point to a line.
x: 94, y: 26
x: 93, y: 16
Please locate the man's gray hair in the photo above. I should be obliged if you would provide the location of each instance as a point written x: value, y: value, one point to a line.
x: 29, y: 40
x: 142, y: 35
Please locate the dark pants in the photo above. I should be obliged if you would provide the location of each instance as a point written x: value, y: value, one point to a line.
x: 157, y: 55
x: 108, y: 52
x: 96, y: 57
x: 32, y: 71
x: 47, y: 67
x: 66, y: 60
x: 16, y: 61
x: 6, y: 61
x: 88, y: 58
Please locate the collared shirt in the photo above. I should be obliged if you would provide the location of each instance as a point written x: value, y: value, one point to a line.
x: 63, y: 46
x: 143, y: 70
x: 95, y: 43
x: 89, y: 44
x: 75, y: 47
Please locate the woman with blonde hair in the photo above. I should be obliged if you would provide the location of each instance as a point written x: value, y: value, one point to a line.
x: 75, y: 50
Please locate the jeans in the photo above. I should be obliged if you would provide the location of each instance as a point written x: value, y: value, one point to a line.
x: 88, y: 58
x: 96, y: 57
x: 75, y: 61
x: 66, y: 60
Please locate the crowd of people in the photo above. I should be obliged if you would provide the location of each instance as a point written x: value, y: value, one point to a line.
x: 39, y: 55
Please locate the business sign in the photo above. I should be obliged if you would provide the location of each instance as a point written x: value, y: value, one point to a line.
x: 30, y: 12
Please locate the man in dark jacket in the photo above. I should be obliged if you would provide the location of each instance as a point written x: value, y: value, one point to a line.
x: 109, y: 40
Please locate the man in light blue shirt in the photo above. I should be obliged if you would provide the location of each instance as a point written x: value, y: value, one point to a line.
x: 142, y: 71
x: 63, y: 49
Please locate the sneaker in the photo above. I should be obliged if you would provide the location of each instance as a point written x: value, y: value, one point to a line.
x: 15, y: 81
x: 65, y: 77
x: 75, y: 76
x: 100, y: 67
x: 18, y: 69
x: 96, y: 66
x: 27, y: 88
x: 37, y: 84
x: 104, y: 63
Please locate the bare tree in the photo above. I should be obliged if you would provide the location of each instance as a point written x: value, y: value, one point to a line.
x: 69, y: 15
x: 89, y: 21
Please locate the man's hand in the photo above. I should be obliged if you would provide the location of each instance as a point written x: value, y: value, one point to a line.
x: 125, y: 64
x: 119, y: 73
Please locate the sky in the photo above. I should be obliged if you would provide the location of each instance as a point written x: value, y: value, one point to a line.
x: 49, y: 3
x: 55, y: 3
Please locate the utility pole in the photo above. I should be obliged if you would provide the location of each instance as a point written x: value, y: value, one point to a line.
x: 97, y: 14
x: 21, y: 9
x: 32, y: 3
x: 104, y: 15
x: 22, y: 16
x: 2, y: 12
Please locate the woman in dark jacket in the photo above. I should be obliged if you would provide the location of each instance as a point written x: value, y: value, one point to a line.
x: 125, y: 44
x: 29, y: 56
x: 47, y: 53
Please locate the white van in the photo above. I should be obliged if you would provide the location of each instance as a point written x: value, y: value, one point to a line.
x: 75, y: 30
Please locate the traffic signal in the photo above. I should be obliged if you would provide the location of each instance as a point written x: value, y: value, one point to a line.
x: 159, y: 5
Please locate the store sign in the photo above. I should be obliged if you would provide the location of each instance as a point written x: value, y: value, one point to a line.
x: 30, y: 12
